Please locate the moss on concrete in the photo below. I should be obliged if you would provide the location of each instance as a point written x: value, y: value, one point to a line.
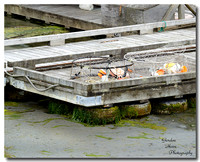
x: 169, y: 107
x: 6, y: 154
x: 46, y: 121
x: 56, y: 126
x: 97, y: 116
x: 13, y: 111
x: 12, y: 115
x: 43, y: 152
x: 68, y: 150
x: 141, y: 136
x: 141, y: 124
x: 96, y: 156
x: 108, y: 138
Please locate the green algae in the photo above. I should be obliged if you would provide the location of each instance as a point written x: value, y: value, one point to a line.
x: 27, y: 31
x: 68, y: 150
x: 11, y: 103
x: 141, y: 124
x: 6, y: 154
x: 43, y: 152
x: 96, y: 156
x: 12, y: 115
x: 108, y: 138
x: 12, y: 112
x: 60, y: 126
x: 142, y: 136
x: 46, y: 121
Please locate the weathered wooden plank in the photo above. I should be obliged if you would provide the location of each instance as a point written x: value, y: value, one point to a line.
x: 170, y: 12
x: 108, y: 86
x: 63, y: 49
x: 60, y: 93
x: 67, y: 48
x: 188, y: 34
x: 181, y: 12
x: 20, y: 55
x: 54, y: 52
x: 115, y: 51
x: 96, y: 32
x: 27, y: 55
x: 48, y: 78
x: 192, y: 46
x: 149, y: 92
x: 11, y: 58
x: 38, y: 52
x: 133, y: 40
x: 103, y: 46
x: 191, y: 9
x: 166, y: 79
x: 58, y: 74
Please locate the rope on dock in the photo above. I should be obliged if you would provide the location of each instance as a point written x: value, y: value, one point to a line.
x: 40, y: 90
x: 162, y: 28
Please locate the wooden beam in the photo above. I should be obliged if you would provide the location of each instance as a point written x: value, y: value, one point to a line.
x: 76, y: 86
x: 190, y: 8
x: 165, y: 79
x: 170, y: 12
x: 104, y: 31
x: 181, y: 12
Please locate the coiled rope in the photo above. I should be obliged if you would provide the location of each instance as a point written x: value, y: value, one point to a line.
x: 162, y: 28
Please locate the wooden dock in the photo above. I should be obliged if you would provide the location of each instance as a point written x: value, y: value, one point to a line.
x: 67, y: 15
x: 27, y: 76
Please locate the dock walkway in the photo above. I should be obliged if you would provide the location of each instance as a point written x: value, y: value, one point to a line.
x: 109, y: 46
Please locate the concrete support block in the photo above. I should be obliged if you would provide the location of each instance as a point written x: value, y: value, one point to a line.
x: 149, y: 31
x: 57, y: 42
x: 119, y: 15
x: 28, y: 18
